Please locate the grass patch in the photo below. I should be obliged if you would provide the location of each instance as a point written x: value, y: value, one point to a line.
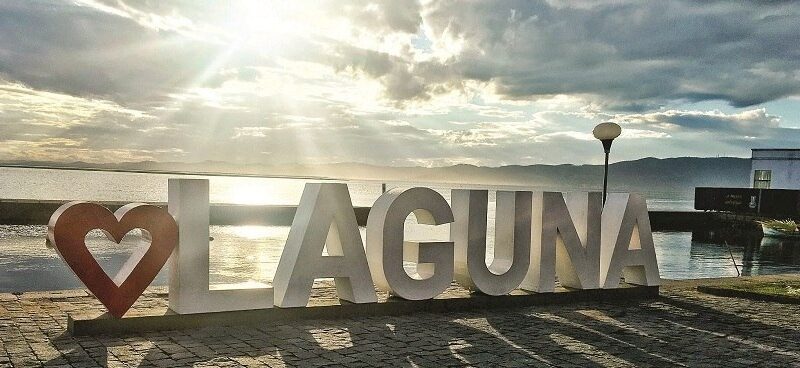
x: 780, y: 288
x: 787, y: 226
x: 781, y: 291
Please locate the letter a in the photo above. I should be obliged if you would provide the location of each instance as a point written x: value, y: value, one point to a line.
x: 325, y: 216
x: 627, y: 243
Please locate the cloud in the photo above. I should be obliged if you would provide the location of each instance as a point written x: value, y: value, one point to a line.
x: 78, y: 50
x: 389, y: 15
x: 392, y: 82
x: 627, y: 55
x: 632, y: 55
x: 748, y: 122
x: 488, y: 134
x: 54, y: 126
x: 709, y: 132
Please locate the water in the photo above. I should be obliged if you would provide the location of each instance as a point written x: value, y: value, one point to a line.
x: 687, y: 255
x: 249, y: 254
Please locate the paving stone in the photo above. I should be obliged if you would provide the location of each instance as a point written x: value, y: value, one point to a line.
x: 680, y: 328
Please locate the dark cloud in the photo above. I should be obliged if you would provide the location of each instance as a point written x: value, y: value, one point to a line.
x: 173, y: 80
x: 119, y: 52
x: 626, y: 54
x: 750, y: 123
x: 631, y: 55
x: 80, y: 51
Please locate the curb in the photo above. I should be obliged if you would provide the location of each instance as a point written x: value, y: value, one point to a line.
x: 106, y: 325
x: 732, y: 293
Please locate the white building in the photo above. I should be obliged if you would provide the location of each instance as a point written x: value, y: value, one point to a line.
x: 775, y: 168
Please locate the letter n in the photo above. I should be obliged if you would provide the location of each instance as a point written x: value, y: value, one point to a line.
x: 565, y: 239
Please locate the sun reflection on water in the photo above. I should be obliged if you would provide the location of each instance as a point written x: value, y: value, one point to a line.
x: 249, y: 284
x: 259, y: 191
x: 254, y: 232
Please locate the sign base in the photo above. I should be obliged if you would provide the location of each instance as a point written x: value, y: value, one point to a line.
x: 454, y: 299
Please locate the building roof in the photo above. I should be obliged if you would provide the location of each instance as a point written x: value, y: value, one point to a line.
x: 792, y: 154
x: 775, y: 149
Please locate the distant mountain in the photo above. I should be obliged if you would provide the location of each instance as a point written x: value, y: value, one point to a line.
x: 672, y: 175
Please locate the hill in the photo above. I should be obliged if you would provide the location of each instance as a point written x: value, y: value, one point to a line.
x: 672, y: 175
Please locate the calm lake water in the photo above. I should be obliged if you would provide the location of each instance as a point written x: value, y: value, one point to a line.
x: 249, y: 254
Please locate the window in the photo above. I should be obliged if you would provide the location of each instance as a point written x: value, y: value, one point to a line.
x: 762, y: 179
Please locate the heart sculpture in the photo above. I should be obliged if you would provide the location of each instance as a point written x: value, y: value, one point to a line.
x: 67, y: 231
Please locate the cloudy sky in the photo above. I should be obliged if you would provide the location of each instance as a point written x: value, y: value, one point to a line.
x: 394, y: 82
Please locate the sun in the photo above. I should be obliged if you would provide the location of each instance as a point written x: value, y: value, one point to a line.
x: 261, y: 24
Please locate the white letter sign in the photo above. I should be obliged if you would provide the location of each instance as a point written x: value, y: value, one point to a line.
x: 188, y: 278
x: 566, y: 241
x: 540, y: 237
x: 386, y: 248
x: 627, y: 245
x: 511, y: 246
x: 325, y: 217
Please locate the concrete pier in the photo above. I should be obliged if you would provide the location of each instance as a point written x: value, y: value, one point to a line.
x: 38, y: 212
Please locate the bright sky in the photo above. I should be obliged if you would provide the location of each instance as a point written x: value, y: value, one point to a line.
x: 394, y: 82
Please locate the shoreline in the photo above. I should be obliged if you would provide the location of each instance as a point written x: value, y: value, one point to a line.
x: 324, y: 284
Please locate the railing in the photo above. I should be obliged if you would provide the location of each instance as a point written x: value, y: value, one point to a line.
x: 776, y: 202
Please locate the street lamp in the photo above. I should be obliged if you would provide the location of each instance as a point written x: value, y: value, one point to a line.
x: 606, y: 132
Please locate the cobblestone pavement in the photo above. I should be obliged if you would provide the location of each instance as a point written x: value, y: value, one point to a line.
x: 680, y: 328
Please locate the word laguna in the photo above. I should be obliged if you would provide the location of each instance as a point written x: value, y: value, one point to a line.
x: 539, y: 236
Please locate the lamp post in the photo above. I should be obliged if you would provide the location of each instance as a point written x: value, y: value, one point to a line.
x: 606, y: 132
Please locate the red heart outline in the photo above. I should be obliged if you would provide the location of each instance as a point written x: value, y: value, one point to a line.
x: 67, y: 231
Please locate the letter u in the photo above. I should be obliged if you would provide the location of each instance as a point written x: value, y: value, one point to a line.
x: 512, y: 240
